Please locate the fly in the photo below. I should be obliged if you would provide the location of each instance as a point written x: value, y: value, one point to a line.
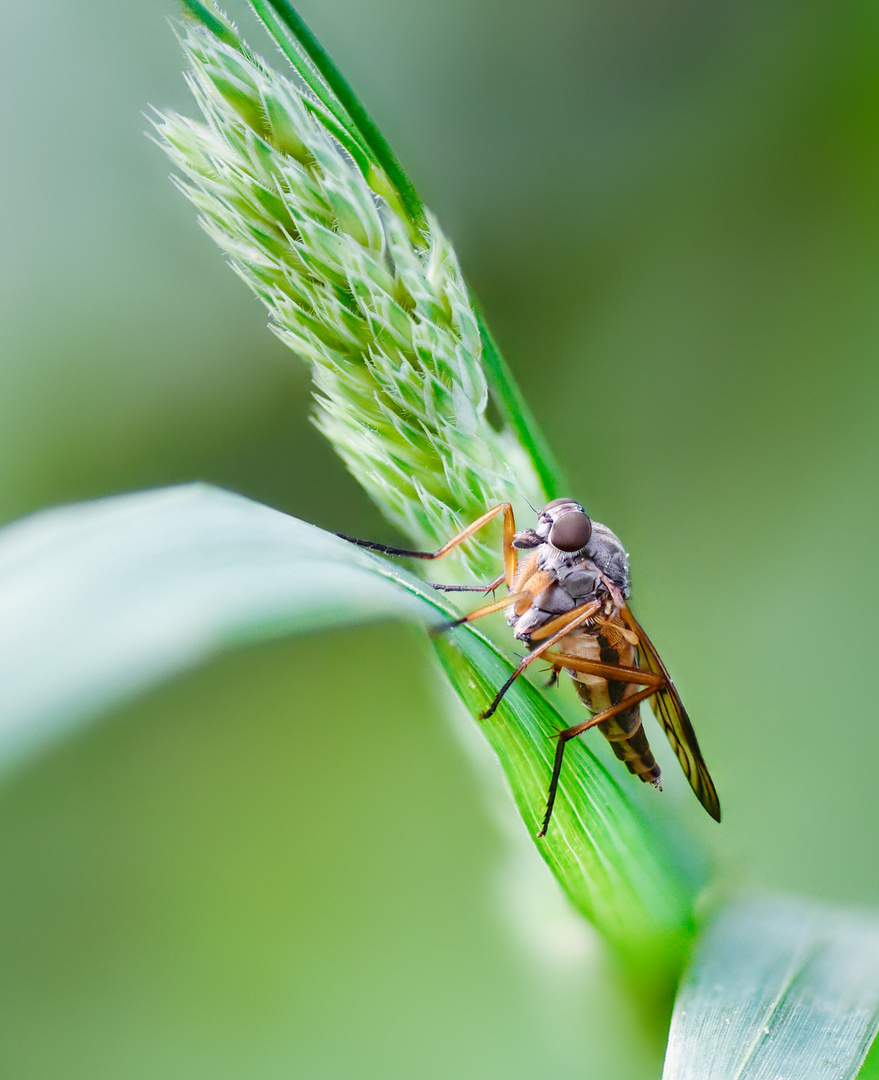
x: 567, y: 603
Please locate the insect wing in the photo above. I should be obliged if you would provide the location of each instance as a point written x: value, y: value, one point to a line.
x: 672, y: 715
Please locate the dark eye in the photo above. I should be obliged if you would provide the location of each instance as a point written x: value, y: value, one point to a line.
x: 571, y: 532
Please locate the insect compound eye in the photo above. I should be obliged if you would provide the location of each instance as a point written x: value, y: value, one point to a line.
x: 571, y: 532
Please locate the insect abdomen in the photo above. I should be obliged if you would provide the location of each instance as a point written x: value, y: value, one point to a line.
x: 624, y: 731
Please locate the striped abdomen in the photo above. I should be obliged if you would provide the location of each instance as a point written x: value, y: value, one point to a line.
x: 623, y: 731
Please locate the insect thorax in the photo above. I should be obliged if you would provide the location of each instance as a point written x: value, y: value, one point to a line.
x: 566, y: 580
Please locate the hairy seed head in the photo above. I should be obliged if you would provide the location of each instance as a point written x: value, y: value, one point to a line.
x: 375, y: 304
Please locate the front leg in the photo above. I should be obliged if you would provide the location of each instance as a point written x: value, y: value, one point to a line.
x: 489, y: 588
x: 509, y: 551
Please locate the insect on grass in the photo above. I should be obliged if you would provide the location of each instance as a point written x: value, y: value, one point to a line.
x: 568, y: 603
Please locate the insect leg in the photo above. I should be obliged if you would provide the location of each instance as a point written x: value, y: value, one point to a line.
x: 490, y: 587
x: 512, y: 598
x: 527, y: 572
x: 563, y: 621
x: 573, y: 619
x: 508, y: 549
x: 614, y: 672
x: 573, y: 732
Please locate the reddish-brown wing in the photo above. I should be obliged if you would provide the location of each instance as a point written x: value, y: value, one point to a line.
x: 672, y: 715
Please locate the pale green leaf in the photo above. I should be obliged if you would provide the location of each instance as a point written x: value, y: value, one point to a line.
x: 103, y: 599
x: 780, y: 989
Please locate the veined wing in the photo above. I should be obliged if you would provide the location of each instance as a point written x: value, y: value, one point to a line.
x: 672, y: 715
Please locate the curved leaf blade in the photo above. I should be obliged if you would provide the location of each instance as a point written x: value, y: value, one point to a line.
x: 100, y: 600
x: 779, y: 988
x: 617, y: 868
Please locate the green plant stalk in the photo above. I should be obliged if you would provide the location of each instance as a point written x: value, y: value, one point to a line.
x: 288, y: 181
x: 512, y: 405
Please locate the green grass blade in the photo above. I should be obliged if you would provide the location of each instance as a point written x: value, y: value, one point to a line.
x: 779, y: 988
x: 101, y: 600
x: 209, y: 20
x: 616, y: 868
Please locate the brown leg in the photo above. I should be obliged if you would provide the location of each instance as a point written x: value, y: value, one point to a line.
x: 508, y: 550
x: 561, y: 621
x: 497, y: 605
x: 572, y: 733
x: 613, y: 672
x: 528, y: 571
x: 573, y: 619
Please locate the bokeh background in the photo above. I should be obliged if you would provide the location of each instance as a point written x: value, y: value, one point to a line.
x: 670, y: 212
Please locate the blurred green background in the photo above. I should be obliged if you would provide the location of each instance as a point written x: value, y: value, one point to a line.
x: 670, y: 212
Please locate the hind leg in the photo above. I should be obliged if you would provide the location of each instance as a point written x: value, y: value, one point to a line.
x: 572, y: 733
